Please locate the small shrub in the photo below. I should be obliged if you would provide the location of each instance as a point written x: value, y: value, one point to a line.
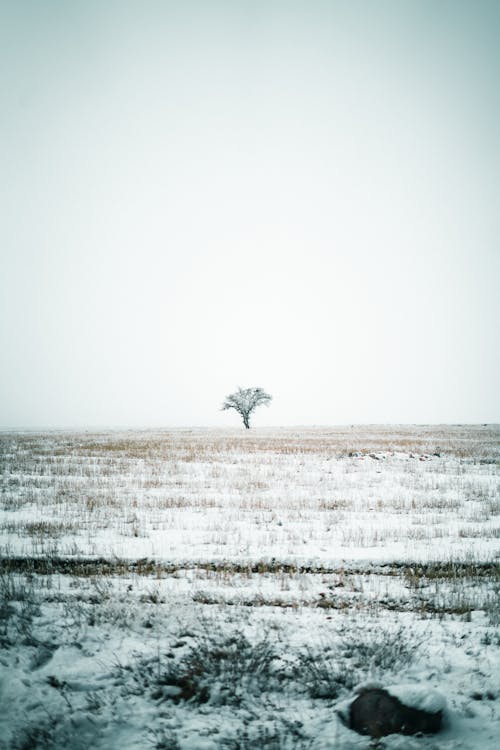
x: 492, y: 607
x: 490, y: 638
x: 325, y: 674
x: 164, y: 739
x: 338, y: 668
x: 59, y: 732
x: 19, y: 605
x: 221, y: 669
x: 380, y: 650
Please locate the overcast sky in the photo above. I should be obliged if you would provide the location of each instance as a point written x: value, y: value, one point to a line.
x: 302, y: 196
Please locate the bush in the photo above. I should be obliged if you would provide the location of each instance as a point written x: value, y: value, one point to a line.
x: 18, y: 607
x: 220, y: 669
x: 353, y: 659
x: 380, y: 651
x: 325, y: 674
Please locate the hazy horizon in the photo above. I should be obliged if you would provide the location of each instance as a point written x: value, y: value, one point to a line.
x: 302, y: 196
x: 236, y: 426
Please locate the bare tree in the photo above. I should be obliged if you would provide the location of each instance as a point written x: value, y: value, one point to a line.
x: 245, y: 401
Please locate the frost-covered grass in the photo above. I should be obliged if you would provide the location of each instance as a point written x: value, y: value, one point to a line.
x: 130, y: 661
x: 196, y: 590
x: 378, y: 494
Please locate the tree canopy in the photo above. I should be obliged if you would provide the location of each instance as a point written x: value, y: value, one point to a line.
x: 245, y: 401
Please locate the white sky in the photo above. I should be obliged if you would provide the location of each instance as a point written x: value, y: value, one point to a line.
x: 302, y: 196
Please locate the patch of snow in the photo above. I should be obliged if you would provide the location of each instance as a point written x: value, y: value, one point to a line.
x: 421, y: 697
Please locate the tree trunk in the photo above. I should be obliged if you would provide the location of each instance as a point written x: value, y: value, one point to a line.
x: 246, y: 422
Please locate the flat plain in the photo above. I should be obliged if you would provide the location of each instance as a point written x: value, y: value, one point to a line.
x: 206, y: 588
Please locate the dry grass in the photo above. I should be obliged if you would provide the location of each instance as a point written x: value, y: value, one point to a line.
x: 230, y: 491
x: 480, y: 442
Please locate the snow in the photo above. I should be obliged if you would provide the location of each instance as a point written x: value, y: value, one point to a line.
x: 419, y: 696
x: 392, y: 579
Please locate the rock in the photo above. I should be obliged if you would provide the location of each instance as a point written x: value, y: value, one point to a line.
x: 376, y: 712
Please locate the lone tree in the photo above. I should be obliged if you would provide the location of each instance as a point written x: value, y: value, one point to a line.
x: 245, y: 401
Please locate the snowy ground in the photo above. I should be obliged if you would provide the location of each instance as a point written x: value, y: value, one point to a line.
x: 204, y: 589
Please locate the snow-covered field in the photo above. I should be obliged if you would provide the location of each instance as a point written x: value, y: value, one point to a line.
x: 204, y: 589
